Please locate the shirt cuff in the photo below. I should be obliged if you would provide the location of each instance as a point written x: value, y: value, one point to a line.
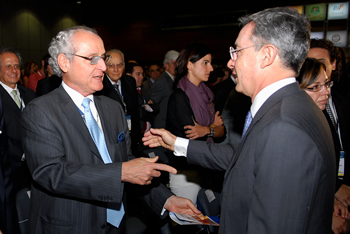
x: 181, y: 145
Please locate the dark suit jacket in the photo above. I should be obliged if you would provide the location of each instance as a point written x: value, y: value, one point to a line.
x: 8, y: 219
x: 131, y: 100
x: 48, y: 84
x: 72, y: 185
x: 342, y: 106
x: 12, y: 121
x: 221, y: 92
x: 161, y: 90
x: 147, y: 89
x: 280, y: 179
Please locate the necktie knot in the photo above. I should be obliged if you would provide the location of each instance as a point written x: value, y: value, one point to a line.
x: 86, y: 103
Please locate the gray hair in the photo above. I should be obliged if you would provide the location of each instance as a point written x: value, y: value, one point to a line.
x: 116, y: 51
x: 62, y: 43
x: 13, y: 51
x: 284, y: 28
x: 170, y: 55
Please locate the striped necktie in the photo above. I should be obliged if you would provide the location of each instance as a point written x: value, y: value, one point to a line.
x: 248, y: 121
x: 16, y: 98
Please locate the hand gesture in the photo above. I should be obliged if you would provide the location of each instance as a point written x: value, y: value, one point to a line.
x: 218, y: 120
x: 142, y: 170
x: 159, y: 137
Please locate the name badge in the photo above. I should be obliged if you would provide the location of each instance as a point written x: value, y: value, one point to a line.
x: 341, y: 164
x: 128, y: 120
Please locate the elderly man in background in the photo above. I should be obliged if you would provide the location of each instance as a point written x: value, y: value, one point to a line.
x: 78, y: 148
x: 163, y: 87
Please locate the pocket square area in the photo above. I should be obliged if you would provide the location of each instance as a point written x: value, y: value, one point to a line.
x: 121, y: 137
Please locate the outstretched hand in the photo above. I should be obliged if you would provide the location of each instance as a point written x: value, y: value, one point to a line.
x: 142, y: 170
x: 159, y: 137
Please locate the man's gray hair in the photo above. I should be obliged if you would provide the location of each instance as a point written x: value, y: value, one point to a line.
x: 109, y: 52
x: 284, y: 28
x: 170, y: 55
x: 13, y: 51
x: 62, y: 43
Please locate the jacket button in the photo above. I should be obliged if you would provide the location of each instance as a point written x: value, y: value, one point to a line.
x: 103, y: 226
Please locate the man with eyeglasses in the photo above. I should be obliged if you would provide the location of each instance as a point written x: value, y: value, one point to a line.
x: 122, y: 88
x: 338, y: 110
x: 153, y: 74
x: 14, y: 99
x: 78, y: 148
x: 280, y: 178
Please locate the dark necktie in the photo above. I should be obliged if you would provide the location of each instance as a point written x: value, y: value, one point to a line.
x: 114, y: 217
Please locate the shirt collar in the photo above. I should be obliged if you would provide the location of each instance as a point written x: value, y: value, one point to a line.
x: 266, y: 92
x: 75, y: 95
x: 112, y: 82
x: 171, y: 76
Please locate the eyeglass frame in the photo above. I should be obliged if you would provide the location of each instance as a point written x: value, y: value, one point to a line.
x: 233, y: 52
x: 118, y: 65
x: 328, y: 85
x: 105, y: 59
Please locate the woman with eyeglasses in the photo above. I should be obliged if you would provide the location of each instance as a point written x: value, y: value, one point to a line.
x: 313, y: 79
x: 191, y: 113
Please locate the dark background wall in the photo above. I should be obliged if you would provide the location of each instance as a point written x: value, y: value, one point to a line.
x: 143, y: 31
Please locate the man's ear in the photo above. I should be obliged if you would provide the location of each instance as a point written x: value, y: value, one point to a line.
x: 268, y: 56
x: 63, y: 62
x: 334, y: 65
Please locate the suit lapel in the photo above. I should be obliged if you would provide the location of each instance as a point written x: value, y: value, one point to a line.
x: 73, y: 115
x: 109, y: 127
x: 8, y: 102
x: 269, y: 103
x: 109, y: 90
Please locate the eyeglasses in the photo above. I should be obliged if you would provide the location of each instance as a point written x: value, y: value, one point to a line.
x: 94, y: 59
x: 118, y: 65
x: 319, y: 87
x: 233, y: 52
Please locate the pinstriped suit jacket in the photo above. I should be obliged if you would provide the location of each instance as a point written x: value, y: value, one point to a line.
x: 72, y: 185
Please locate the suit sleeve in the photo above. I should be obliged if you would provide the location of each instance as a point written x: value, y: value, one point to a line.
x: 64, y: 167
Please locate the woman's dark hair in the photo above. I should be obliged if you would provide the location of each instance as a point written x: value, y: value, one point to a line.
x: 27, y: 67
x: 309, y: 72
x: 192, y: 52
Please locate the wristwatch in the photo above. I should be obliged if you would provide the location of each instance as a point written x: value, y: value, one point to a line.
x: 211, y: 132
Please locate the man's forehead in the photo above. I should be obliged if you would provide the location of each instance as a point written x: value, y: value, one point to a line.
x: 88, y: 42
x: 8, y: 55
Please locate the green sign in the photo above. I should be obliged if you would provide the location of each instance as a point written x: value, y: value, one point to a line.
x: 316, y: 11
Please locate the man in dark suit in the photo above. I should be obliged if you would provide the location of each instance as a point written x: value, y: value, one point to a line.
x: 78, y: 147
x: 122, y: 88
x: 163, y: 87
x: 153, y: 74
x: 14, y: 99
x: 280, y: 179
x: 338, y: 110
